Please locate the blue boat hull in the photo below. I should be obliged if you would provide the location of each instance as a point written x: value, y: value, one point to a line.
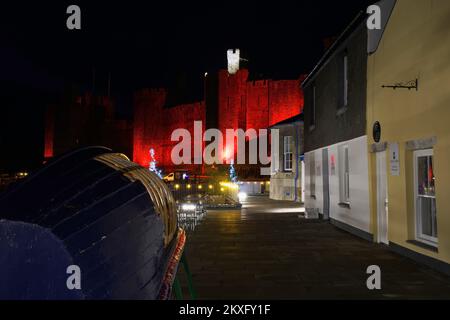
x: 80, y: 211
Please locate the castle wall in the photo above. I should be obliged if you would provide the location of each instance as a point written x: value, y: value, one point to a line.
x: 148, y: 124
x: 257, y: 116
x: 241, y: 104
x: 285, y: 100
x: 232, y: 99
x: 154, y: 124
x: 85, y: 120
x: 183, y: 117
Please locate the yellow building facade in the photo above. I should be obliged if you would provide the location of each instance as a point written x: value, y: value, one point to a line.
x: 408, y: 113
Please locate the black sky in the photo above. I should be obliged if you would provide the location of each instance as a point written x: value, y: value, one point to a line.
x: 146, y: 44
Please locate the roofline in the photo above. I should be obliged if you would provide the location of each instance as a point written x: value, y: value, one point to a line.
x: 329, y: 53
x: 289, y: 121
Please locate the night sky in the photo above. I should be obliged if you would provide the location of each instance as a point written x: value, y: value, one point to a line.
x: 144, y: 44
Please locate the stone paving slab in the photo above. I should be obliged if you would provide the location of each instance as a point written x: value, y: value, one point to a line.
x: 265, y: 251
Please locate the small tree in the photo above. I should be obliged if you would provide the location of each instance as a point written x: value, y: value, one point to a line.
x: 152, y: 165
x: 233, y: 175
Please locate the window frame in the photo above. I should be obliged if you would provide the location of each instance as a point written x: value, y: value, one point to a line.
x: 312, y: 175
x: 287, y: 142
x: 346, y: 172
x: 419, y: 236
x: 312, y: 124
x: 345, y: 81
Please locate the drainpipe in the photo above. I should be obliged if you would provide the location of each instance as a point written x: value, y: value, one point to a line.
x: 296, y: 161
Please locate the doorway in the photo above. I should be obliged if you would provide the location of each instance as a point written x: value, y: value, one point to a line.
x: 382, y: 199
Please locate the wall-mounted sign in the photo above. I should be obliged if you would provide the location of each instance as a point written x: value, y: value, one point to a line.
x: 377, y: 132
x: 394, y: 159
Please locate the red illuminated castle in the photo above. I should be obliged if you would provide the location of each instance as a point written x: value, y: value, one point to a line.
x: 231, y: 102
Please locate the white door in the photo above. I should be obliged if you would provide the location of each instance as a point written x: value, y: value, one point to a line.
x: 382, y: 199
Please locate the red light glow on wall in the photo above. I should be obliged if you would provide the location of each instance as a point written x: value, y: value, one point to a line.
x: 241, y: 104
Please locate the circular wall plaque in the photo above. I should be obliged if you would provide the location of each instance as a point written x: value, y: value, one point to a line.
x: 377, y: 132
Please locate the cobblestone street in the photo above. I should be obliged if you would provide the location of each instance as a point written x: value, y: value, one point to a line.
x: 266, y: 251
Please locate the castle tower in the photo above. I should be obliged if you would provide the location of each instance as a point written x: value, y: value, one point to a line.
x: 233, y: 57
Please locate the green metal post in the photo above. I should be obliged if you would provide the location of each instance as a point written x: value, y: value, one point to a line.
x: 184, y: 262
x: 177, y: 288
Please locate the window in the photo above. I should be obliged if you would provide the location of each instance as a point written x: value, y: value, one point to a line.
x: 313, y: 107
x: 345, y: 94
x: 312, y: 174
x: 288, y: 153
x: 425, y: 197
x: 342, y: 82
x: 344, y: 175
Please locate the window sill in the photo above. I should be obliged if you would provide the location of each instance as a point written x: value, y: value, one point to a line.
x: 423, y: 245
x: 341, y: 111
x: 344, y: 205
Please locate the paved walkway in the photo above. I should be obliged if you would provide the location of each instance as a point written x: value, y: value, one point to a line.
x: 266, y: 252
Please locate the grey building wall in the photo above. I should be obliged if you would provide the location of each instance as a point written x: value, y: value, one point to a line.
x: 282, y: 182
x: 334, y: 122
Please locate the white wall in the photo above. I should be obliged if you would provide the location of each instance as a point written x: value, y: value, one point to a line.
x: 358, y: 215
x: 311, y: 203
x: 251, y: 187
x: 282, y: 186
